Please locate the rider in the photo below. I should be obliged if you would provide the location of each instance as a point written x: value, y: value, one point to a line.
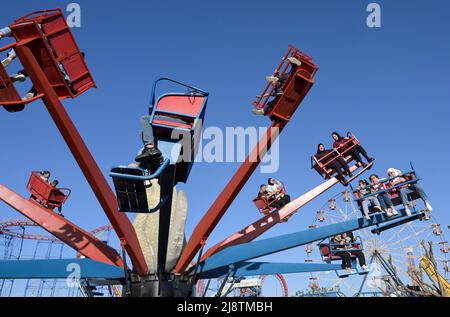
x: 277, y: 81
x: 333, y: 161
x: 383, y: 197
x: 364, y: 190
x: 396, y: 177
x: 149, y: 153
x: 354, y: 152
x: 274, y: 188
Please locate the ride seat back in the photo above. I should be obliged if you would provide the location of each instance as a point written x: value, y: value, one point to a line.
x: 51, y: 42
x: 8, y: 92
x: 179, y: 117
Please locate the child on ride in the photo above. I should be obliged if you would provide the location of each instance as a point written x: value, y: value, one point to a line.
x: 365, y: 190
x: 383, y: 197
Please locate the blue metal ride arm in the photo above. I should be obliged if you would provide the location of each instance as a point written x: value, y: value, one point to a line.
x: 266, y: 268
x: 59, y: 269
x: 256, y: 249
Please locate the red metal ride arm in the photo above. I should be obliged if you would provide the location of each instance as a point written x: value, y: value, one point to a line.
x: 231, y: 190
x: 294, y: 91
x: 263, y: 224
x: 120, y: 222
x: 69, y: 233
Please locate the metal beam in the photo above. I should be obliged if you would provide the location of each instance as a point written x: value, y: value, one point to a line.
x: 227, y: 196
x: 267, y: 268
x: 120, y: 222
x: 58, y: 269
x: 260, y: 226
x: 256, y: 249
x: 66, y: 231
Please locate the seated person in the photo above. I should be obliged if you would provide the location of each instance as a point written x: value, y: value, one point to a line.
x: 397, y: 178
x: 354, y: 152
x: 150, y: 153
x: 277, y: 81
x: 273, y: 189
x: 336, y: 163
x: 364, y: 190
x: 339, y: 245
x: 54, y: 184
x: 45, y: 175
x: 383, y: 198
x: 351, y: 240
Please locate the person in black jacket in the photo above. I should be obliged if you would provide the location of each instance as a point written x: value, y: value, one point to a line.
x: 332, y: 161
x: 355, y: 152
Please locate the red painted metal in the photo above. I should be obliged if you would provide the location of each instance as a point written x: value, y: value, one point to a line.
x: 41, y: 191
x: 66, y: 231
x: 4, y: 225
x: 282, y: 110
x: 297, y: 84
x: 323, y: 168
x: 91, y: 171
x: 263, y: 224
x: 231, y: 190
x: 47, y: 34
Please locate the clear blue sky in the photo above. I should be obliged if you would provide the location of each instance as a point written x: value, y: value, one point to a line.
x: 390, y: 86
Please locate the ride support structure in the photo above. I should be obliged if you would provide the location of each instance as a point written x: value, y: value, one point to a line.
x: 43, y: 40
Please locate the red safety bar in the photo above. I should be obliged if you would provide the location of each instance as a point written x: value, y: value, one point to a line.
x: 322, y: 165
x: 42, y: 192
x: 297, y: 83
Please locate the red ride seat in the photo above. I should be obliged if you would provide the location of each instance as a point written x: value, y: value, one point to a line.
x: 48, y: 196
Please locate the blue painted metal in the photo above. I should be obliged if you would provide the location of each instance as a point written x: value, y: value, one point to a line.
x: 396, y: 223
x: 256, y: 249
x: 115, y: 172
x: 58, y: 269
x: 266, y: 268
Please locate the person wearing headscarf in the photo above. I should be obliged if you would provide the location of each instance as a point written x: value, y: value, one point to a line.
x: 355, y: 152
x: 396, y: 178
x: 274, y: 189
x: 331, y: 160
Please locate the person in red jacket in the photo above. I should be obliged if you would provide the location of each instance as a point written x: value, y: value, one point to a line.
x: 355, y: 152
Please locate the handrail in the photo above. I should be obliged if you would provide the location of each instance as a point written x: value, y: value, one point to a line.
x: 194, y: 89
x: 388, y: 189
x: 9, y: 46
x: 21, y: 102
x: 334, y: 150
x: 26, y: 18
x: 142, y: 178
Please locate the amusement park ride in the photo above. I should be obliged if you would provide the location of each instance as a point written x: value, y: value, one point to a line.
x: 47, y: 50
